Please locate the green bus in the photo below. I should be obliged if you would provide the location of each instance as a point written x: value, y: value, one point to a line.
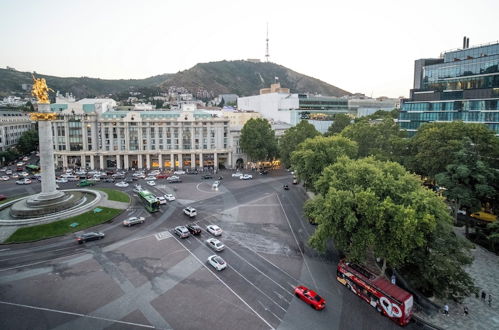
x: 149, y: 200
x: 32, y: 168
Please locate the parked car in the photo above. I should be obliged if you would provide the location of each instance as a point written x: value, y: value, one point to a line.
x: 246, y: 177
x: 310, y: 297
x: 24, y: 174
x: 129, y: 180
x: 23, y: 181
x: 85, y: 183
x: 169, y: 197
x: 15, y: 176
x: 217, y: 262
x: 194, y: 229
x: 150, y: 178
x: 8, y: 172
x: 133, y: 221
x: 3, y: 197
x: 4, y: 178
x: 237, y: 175
x: 161, y: 200
x: 215, y: 244
x: 151, y: 183
x: 121, y: 184
x: 90, y: 236
x: 214, y: 230
x: 173, y: 179
x: 192, y: 172
x: 109, y: 180
x: 181, y: 231
x: 264, y: 172
x: 179, y: 172
x: 162, y: 176
x: 190, y: 211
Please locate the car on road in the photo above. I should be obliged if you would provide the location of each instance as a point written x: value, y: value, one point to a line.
x: 4, y: 178
x: 3, y: 197
x: 237, y: 175
x: 192, y: 172
x: 217, y: 262
x: 85, y: 183
x: 133, y: 221
x: 15, y: 176
x: 264, y: 172
x: 190, y: 211
x: 214, y: 230
x: 169, y: 197
x: 61, y: 180
x: 173, y: 179
x: 109, y: 180
x: 8, y: 172
x: 129, y: 180
x: 121, y: 184
x: 246, y: 177
x: 161, y: 200
x: 194, y: 229
x: 207, y: 176
x: 310, y: 297
x: 286, y: 187
x: 24, y: 174
x: 179, y: 172
x: 295, y: 181
x: 215, y: 244
x: 90, y: 236
x: 23, y: 181
x: 215, y: 185
x: 150, y: 178
x: 181, y: 231
x: 162, y: 176
x: 151, y: 183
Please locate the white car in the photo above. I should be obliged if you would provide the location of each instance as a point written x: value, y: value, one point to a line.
x: 24, y: 174
x: 190, y: 211
x: 23, y: 181
x: 133, y: 221
x: 181, y: 231
x: 151, y: 183
x: 154, y: 173
x: 179, y: 172
x: 121, y: 184
x: 217, y: 262
x: 161, y: 200
x: 4, y: 178
x: 214, y: 230
x: 215, y: 184
x: 25, y: 159
x: 246, y: 177
x: 150, y: 178
x: 169, y: 197
x: 236, y: 175
x: 215, y: 244
x: 8, y: 172
x: 61, y: 180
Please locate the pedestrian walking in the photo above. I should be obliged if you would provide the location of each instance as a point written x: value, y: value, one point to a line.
x: 465, y: 310
x: 446, y: 309
x: 484, y: 295
x: 393, y: 279
x: 490, y: 300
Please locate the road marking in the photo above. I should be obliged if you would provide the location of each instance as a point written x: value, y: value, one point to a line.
x: 225, y: 284
x: 163, y: 235
x: 296, y: 240
x: 268, y: 310
x: 20, y: 266
x: 76, y: 314
x: 4, y: 250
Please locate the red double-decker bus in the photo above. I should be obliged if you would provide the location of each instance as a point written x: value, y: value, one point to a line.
x: 389, y: 299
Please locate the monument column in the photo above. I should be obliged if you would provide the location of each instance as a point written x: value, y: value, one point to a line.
x: 101, y: 161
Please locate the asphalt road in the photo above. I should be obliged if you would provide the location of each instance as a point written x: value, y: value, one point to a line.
x: 145, y: 276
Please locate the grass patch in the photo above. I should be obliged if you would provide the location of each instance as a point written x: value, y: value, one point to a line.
x: 58, y: 228
x: 115, y: 195
x: 12, y: 198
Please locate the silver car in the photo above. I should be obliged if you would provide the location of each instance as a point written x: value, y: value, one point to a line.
x: 181, y: 231
x: 133, y: 221
x: 215, y: 244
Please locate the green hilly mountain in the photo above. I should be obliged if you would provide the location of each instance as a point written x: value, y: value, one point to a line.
x: 238, y: 77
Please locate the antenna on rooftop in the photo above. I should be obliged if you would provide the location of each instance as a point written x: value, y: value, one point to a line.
x: 267, y: 55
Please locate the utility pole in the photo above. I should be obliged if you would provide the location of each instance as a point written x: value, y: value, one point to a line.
x: 267, y: 55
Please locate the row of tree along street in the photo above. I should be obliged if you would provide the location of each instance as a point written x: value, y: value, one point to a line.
x: 371, y: 191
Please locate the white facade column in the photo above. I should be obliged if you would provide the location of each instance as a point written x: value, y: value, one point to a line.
x: 215, y: 160
x: 127, y: 162
x: 193, y: 160
x: 95, y: 142
x: 83, y: 162
x: 201, y: 160
x: 101, y: 161
x: 160, y: 160
x: 229, y: 158
x: 92, y: 164
x: 172, y: 161
x: 118, y: 162
x: 148, y: 160
x: 139, y: 161
x: 64, y: 161
x: 180, y: 161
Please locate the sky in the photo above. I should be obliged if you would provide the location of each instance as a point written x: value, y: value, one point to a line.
x: 360, y: 46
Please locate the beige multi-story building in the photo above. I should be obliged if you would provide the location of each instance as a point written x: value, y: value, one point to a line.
x: 12, y: 125
x: 239, y: 118
x: 147, y: 139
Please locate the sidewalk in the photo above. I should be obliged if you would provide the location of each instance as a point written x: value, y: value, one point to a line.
x: 485, y: 272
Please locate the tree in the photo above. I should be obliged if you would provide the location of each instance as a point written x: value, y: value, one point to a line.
x: 435, y: 144
x: 369, y: 206
x: 340, y: 122
x: 467, y: 180
x: 313, y: 155
x: 382, y: 139
x: 28, y: 142
x: 258, y: 140
x: 292, y: 138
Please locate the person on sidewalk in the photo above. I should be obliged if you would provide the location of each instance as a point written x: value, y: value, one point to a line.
x: 484, y: 295
x: 446, y: 309
x: 490, y: 300
x: 465, y: 311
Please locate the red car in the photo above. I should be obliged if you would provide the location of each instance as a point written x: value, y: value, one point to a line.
x: 310, y: 297
x: 2, y: 197
x: 162, y: 176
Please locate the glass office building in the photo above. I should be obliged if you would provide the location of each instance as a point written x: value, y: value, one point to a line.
x: 461, y: 85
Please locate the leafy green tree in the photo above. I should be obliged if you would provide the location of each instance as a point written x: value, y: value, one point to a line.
x: 313, y: 155
x: 28, y: 142
x: 258, y: 140
x: 467, y: 181
x: 382, y: 139
x: 340, y: 122
x: 435, y: 145
x: 369, y: 206
x: 7, y: 156
x: 292, y: 138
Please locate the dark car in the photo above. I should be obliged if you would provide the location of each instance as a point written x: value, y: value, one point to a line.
x: 3, y: 197
x: 91, y: 236
x: 286, y: 187
x: 111, y: 180
x: 207, y: 176
x: 194, y: 229
x: 264, y: 172
x: 193, y: 172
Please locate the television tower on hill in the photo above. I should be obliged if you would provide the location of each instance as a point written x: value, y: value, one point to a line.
x: 267, y: 55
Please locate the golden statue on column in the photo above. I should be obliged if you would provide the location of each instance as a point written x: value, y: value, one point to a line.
x: 40, y: 90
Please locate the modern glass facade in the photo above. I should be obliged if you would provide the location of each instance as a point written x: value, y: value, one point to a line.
x: 460, y: 85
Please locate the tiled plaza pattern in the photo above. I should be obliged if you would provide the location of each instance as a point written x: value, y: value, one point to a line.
x: 481, y: 316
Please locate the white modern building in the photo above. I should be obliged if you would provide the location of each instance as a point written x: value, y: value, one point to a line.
x: 12, y: 125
